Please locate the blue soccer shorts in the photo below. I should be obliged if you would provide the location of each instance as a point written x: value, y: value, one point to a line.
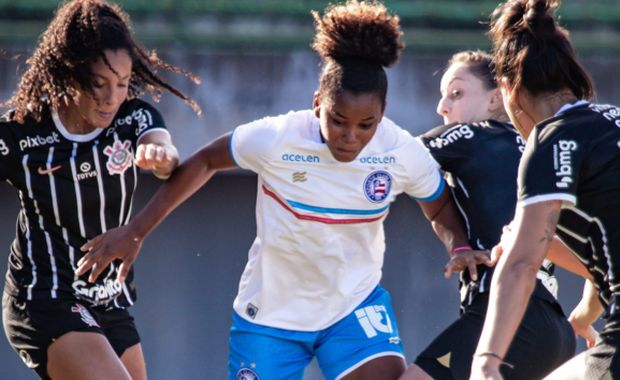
x: 261, y: 352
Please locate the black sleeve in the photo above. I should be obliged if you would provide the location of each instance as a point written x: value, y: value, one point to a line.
x: 550, y: 166
x: 145, y: 118
x: 448, y: 143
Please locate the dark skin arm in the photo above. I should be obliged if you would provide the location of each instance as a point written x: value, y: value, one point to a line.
x: 448, y: 225
x: 124, y: 242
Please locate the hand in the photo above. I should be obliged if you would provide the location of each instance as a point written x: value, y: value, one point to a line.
x: 161, y: 159
x: 485, y: 368
x: 583, y: 329
x: 506, y: 240
x: 467, y: 260
x: 117, y: 243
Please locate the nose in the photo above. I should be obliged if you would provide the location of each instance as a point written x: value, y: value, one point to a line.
x: 349, y: 136
x: 443, y: 106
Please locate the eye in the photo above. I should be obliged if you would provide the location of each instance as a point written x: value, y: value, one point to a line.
x: 98, y: 84
x: 365, y: 126
x: 337, y: 121
x: 455, y: 94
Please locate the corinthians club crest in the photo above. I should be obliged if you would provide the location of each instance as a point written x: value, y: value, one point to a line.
x: 119, y: 156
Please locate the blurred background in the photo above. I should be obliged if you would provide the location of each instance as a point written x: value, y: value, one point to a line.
x: 254, y: 59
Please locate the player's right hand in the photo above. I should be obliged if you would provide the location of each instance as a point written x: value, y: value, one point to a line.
x: 467, y: 260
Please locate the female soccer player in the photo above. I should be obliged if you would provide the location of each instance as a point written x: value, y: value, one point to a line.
x: 71, y: 147
x: 326, y: 178
x: 479, y: 152
x: 569, y: 183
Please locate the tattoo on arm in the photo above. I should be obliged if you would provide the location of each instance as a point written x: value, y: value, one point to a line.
x: 552, y: 222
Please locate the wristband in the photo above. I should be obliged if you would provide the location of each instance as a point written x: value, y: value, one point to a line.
x: 496, y: 356
x: 461, y: 249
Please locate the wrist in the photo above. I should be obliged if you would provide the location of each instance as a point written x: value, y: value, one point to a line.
x: 460, y: 248
x: 492, y: 359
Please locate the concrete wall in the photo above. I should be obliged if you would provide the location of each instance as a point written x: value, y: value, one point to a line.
x: 188, y: 271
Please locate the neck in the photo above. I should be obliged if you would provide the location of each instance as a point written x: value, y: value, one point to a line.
x: 533, y: 110
x: 73, y: 121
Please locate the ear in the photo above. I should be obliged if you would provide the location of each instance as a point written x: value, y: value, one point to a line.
x: 316, y: 104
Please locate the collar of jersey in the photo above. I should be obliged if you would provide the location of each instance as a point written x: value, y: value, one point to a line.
x: 569, y: 106
x: 72, y: 136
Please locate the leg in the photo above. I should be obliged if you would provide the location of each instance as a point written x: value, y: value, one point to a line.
x: 261, y: 352
x: 574, y: 369
x: 84, y: 355
x: 364, y: 344
x: 386, y: 367
x: 414, y: 372
x: 133, y: 359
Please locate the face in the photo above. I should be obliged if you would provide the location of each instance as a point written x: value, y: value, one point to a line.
x: 464, y: 97
x: 109, y: 91
x: 348, y: 122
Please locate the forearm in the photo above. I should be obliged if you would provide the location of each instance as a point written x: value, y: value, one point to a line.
x: 511, y: 288
x: 447, y: 221
x: 589, y: 308
x: 560, y: 255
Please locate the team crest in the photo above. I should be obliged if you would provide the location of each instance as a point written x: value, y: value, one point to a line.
x: 377, y: 186
x: 84, y: 314
x: 119, y: 156
x: 247, y: 374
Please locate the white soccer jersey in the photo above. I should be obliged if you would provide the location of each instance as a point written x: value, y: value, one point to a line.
x: 319, y: 247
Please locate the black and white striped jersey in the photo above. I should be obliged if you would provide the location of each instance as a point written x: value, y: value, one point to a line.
x: 575, y: 157
x: 71, y: 188
x: 480, y: 162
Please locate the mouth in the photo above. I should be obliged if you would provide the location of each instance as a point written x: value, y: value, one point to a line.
x: 106, y: 115
x: 346, y: 155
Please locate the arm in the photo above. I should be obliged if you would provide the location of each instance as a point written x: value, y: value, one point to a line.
x: 586, y: 313
x: 513, y: 284
x: 561, y: 255
x: 124, y: 242
x: 157, y: 153
x: 447, y: 223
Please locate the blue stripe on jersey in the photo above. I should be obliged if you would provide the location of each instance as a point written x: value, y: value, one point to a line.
x: 327, y: 210
x: 230, y: 147
x: 437, y: 192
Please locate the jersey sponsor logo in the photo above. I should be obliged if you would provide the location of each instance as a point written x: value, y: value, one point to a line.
x: 45, y: 171
x: 383, y: 160
x: 374, y: 319
x: 562, y: 162
x: 609, y: 112
x: 299, y: 177
x: 295, y: 157
x: 86, y: 172
x: 247, y: 374
x: 119, y: 156
x: 377, y: 186
x: 98, y: 293
x: 4, y: 150
x: 85, y: 315
x: 453, y: 134
x: 37, y: 141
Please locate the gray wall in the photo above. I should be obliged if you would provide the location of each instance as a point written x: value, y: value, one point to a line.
x: 188, y: 271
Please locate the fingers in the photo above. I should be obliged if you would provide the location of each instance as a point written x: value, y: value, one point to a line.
x: 149, y: 156
x: 124, y: 268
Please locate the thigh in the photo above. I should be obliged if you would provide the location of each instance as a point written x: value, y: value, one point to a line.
x: 363, y: 341
x: 120, y: 330
x: 84, y: 355
x: 32, y: 326
x: 543, y: 342
x: 261, y: 352
x: 133, y: 360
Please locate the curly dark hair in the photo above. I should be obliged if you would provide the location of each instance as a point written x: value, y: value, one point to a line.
x: 77, y: 37
x: 356, y: 40
x: 532, y: 51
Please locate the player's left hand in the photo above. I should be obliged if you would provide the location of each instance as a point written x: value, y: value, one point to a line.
x: 467, y: 260
x: 117, y: 243
x: 161, y: 159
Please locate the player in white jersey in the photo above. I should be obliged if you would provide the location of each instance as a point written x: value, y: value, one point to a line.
x: 71, y: 146
x: 326, y: 178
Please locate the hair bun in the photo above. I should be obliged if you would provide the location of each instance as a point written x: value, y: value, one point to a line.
x: 538, y: 18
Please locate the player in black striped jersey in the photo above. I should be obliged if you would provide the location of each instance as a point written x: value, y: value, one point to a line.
x: 71, y: 146
x: 569, y: 186
x: 479, y: 153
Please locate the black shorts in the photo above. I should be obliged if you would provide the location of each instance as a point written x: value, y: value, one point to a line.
x: 31, y: 326
x: 603, y: 360
x: 543, y: 341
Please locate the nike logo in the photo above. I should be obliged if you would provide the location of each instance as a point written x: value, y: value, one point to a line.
x: 44, y: 171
